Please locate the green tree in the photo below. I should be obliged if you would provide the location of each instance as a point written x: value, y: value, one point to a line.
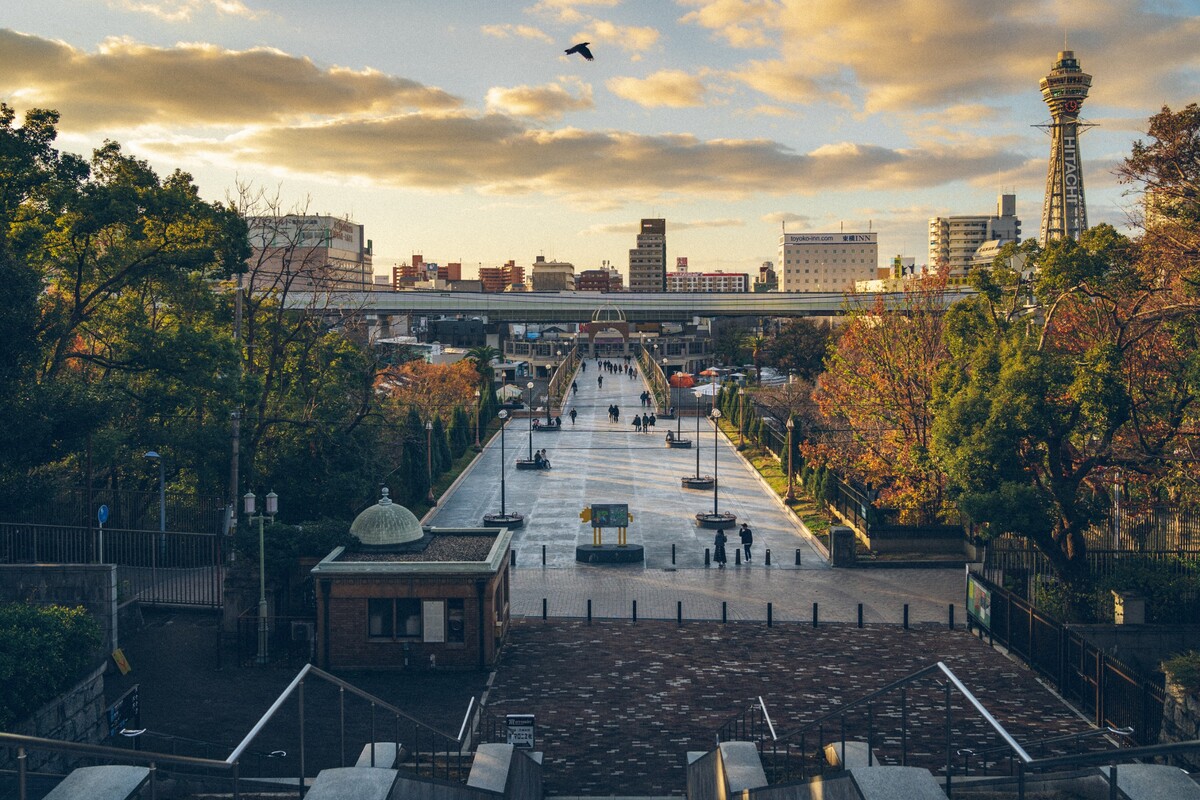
x: 799, y: 348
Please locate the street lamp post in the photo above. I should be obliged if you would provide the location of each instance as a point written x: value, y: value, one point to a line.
x: 741, y: 418
x: 503, y: 419
x: 716, y: 415
x: 791, y: 425
x: 529, y: 386
x: 478, y: 412
x: 429, y: 461
x: 161, y: 551
x: 504, y: 518
x: 162, y: 490
x: 272, y: 507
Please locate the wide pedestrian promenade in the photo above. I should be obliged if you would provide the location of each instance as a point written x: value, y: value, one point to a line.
x: 597, y: 461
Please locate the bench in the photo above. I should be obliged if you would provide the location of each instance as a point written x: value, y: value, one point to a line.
x: 112, y: 782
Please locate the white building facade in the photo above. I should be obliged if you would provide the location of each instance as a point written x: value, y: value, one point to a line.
x: 960, y: 242
x: 826, y: 262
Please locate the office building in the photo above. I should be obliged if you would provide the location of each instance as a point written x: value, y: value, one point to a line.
x: 648, y: 260
x: 308, y: 253
x: 960, y: 242
x: 767, y: 280
x: 684, y: 281
x: 826, y: 262
x: 553, y: 276
x: 1064, y: 210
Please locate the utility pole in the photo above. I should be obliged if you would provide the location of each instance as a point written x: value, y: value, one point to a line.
x: 235, y: 416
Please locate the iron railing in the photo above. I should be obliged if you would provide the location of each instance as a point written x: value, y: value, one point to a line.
x: 171, y: 568
x: 128, y: 509
x: 1107, y: 691
x: 291, y: 641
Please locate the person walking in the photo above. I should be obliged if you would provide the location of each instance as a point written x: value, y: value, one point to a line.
x: 747, y: 536
x: 645, y: 422
x: 574, y: 387
x: 573, y: 414
x: 616, y: 413
x: 599, y: 381
x: 637, y: 423
x: 719, y: 548
x: 653, y: 419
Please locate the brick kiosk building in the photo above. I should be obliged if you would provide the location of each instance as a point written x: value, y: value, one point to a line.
x: 407, y: 596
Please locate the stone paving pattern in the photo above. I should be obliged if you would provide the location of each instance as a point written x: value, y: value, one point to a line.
x: 618, y: 704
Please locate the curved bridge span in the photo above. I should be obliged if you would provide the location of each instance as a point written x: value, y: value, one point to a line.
x: 579, y: 306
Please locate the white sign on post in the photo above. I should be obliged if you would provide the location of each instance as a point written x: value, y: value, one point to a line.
x: 520, y: 730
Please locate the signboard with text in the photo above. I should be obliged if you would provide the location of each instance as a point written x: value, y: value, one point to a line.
x: 979, y: 602
x: 610, y: 515
x: 519, y: 730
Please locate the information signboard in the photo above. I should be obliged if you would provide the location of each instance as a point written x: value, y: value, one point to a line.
x: 519, y: 728
x: 610, y: 515
x: 124, y: 713
x: 979, y: 602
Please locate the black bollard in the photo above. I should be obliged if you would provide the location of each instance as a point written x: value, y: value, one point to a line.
x: 672, y: 553
x: 737, y: 557
x: 543, y: 609
x: 543, y: 555
x: 512, y: 557
x: 724, y: 610
x: 635, y: 610
x: 797, y: 556
x: 706, y: 557
x: 860, y: 615
x: 770, y: 614
x: 768, y: 562
x: 906, y: 616
x: 814, y: 615
x: 952, y: 616
x: 679, y: 611
x: 589, y: 611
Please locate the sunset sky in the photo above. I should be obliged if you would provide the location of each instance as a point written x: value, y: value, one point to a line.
x: 460, y: 130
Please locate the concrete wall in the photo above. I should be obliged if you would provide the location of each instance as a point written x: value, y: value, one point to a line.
x: 408, y: 788
x: 1143, y: 647
x: 77, y: 715
x: 93, y: 586
x: 704, y: 781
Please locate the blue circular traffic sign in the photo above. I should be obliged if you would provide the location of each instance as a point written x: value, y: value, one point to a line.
x: 102, y: 514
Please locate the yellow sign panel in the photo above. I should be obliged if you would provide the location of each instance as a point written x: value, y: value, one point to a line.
x: 122, y: 662
x: 586, y: 514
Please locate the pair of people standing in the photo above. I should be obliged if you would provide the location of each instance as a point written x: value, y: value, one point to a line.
x: 719, y: 555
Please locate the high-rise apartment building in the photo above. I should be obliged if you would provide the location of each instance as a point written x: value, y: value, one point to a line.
x: 507, y: 278
x: 960, y: 242
x: 826, y: 262
x: 684, y: 281
x: 1064, y: 211
x: 648, y: 260
x: 553, y: 276
x: 308, y: 253
x: 605, y: 279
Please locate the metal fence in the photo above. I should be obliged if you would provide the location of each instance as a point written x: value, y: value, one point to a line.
x: 1098, y: 685
x: 131, y: 510
x: 290, y: 641
x: 172, y: 568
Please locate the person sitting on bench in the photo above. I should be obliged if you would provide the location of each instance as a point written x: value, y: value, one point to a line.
x: 670, y: 436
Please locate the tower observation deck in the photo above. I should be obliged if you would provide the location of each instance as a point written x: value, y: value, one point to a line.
x: 1064, y: 211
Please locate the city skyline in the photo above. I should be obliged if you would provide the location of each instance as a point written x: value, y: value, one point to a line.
x: 474, y: 138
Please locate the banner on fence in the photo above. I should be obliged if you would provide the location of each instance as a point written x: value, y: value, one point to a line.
x: 979, y: 602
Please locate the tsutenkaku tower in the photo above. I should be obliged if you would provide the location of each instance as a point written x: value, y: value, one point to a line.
x: 1064, y: 211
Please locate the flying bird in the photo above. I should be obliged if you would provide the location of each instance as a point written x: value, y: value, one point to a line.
x: 582, y: 49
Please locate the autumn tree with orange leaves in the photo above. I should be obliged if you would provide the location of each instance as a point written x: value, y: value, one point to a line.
x: 875, y: 400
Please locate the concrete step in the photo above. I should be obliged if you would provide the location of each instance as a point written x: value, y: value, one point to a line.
x: 1154, y: 782
x: 894, y: 783
x: 111, y: 782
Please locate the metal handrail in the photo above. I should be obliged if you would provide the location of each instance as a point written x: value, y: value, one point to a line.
x: 767, y: 717
x: 105, y: 751
x: 1066, y: 737
x: 309, y: 669
x: 865, y: 699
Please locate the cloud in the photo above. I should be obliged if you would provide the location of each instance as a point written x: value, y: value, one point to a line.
x: 741, y: 23
x: 632, y: 228
x: 568, y: 10
x: 495, y: 154
x: 628, y: 37
x: 517, y: 31
x: 949, y: 52
x: 550, y: 101
x: 184, y: 10
x: 672, y: 88
x: 786, y: 216
x: 129, y: 84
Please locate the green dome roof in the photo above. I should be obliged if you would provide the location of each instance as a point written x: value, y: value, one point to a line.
x: 386, y: 524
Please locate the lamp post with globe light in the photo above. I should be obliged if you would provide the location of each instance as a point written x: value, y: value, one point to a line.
x: 529, y: 386
x: 429, y: 462
x: 504, y: 518
x: 791, y: 426
x: 478, y: 413
x: 272, y: 508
